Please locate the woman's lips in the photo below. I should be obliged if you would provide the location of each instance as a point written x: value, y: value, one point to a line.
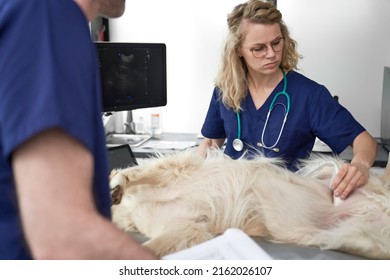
x: 271, y: 64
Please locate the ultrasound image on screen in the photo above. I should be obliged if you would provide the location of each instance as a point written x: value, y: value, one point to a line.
x: 133, y: 75
x: 126, y: 76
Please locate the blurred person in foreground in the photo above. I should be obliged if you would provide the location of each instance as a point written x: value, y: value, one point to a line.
x: 54, y: 194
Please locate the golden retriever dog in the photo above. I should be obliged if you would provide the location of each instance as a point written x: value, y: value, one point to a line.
x: 182, y: 199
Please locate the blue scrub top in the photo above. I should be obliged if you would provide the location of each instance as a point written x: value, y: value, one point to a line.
x: 49, y: 77
x: 313, y: 113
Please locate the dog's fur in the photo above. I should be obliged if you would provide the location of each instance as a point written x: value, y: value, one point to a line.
x: 181, y: 200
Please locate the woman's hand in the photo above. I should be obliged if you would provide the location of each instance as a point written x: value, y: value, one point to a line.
x: 207, y: 144
x: 350, y: 177
x: 355, y: 174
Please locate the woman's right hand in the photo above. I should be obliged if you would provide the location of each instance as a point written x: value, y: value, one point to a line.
x: 207, y: 143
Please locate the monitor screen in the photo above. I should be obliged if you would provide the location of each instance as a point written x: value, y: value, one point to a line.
x: 133, y: 75
x: 120, y: 157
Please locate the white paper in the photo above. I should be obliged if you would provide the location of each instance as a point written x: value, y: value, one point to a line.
x: 234, y: 244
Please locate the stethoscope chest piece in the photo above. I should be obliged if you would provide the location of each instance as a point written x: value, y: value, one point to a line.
x: 238, y: 145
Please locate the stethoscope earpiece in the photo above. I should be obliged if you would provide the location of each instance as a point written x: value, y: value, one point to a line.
x: 275, y: 149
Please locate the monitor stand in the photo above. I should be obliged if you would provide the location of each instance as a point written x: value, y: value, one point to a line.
x: 129, y: 137
x: 129, y: 124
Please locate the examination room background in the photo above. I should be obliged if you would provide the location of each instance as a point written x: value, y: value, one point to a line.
x: 345, y: 45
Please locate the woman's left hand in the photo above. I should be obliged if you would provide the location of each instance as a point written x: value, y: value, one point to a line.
x: 350, y: 177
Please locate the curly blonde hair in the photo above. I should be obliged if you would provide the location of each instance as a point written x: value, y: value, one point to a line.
x: 232, y: 75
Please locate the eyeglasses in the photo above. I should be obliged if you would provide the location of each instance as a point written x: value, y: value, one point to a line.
x: 261, y: 50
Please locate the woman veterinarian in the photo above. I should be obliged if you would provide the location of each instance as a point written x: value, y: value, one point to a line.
x: 260, y: 103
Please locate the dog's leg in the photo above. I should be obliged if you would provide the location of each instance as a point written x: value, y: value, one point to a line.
x: 360, y: 226
x: 354, y: 238
x: 170, y: 167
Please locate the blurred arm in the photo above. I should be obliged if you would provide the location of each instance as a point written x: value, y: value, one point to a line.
x: 53, y: 175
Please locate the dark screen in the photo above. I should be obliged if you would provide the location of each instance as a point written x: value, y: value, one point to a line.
x: 133, y: 75
x: 120, y: 157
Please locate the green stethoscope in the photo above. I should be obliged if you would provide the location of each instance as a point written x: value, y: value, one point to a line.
x: 238, y: 145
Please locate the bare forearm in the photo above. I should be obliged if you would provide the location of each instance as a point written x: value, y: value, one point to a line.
x: 72, y: 230
x: 355, y: 174
x: 53, y: 176
x: 118, y: 245
x: 364, y: 149
x: 89, y: 236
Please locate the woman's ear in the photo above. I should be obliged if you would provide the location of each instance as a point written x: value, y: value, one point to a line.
x: 238, y: 51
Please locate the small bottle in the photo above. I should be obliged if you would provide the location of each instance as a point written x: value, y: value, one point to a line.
x: 156, y: 125
x: 140, y: 126
x: 118, y: 120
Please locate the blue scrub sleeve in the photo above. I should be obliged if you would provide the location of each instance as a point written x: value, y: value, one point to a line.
x: 332, y: 122
x: 49, y: 88
x: 213, y: 126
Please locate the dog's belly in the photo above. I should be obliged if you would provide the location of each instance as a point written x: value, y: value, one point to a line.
x: 194, y: 202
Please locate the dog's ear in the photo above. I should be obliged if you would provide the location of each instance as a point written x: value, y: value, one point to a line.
x: 116, y: 195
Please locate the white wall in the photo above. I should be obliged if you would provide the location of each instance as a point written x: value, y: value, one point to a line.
x: 345, y: 45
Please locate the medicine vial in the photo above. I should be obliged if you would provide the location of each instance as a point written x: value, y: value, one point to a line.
x: 155, y: 125
x: 118, y: 122
x: 140, y: 126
